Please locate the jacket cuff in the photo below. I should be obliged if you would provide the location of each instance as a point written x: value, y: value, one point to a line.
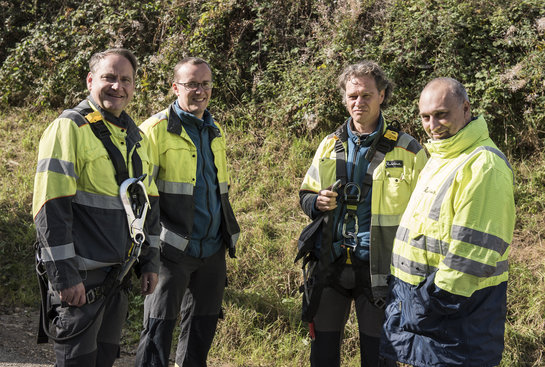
x: 149, y: 260
x: 307, y: 200
x: 63, y: 274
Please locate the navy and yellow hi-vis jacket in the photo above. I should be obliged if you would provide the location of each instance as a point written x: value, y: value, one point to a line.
x: 174, y: 156
x: 391, y: 189
x: 80, y: 221
x: 449, y: 263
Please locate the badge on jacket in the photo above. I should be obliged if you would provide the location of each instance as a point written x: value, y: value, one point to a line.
x: 394, y: 164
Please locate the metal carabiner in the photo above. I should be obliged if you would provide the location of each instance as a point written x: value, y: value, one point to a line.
x: 135, y: 220
x: 356, y: 226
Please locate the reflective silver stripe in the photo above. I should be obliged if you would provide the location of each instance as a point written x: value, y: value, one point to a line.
x: 402, y: 234
x: 155, y: 171
x: 430, y: 244
x: 385, y: 220
x: 437, y: 246
x: 174, y: 239
x: 313, y: 173
x: 479, y: 238
x: 404, y: 141
x: 379, y: 280
x: 58, y: 166
x: 377, y: 159
x: 57, y: 253
x: 224, y: 188
x: 180, y: 188
x: 501, y: 155
x: 88, y: 264
x: 411, y: 267
x: 97, y: 200
x: 436, y: 206
x: 475, y: 268
x: 234, y: 238
x: 153, y: 241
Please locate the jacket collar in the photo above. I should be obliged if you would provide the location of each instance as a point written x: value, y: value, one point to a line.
x: 123, y: 121
x: 476, y: 130
x: 343, y: 135
x: 176, y: 120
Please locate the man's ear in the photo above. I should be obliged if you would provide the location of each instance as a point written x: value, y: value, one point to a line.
x: 467, y: 111
x: 89, y: 80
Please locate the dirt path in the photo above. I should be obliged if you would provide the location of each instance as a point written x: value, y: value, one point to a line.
x: 18, y: 347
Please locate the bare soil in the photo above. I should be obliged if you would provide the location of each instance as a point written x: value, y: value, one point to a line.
x: 18, y: 347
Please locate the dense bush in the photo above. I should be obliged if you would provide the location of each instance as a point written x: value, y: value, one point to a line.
x: 283, y: 56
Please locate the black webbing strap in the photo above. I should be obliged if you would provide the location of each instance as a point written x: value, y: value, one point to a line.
x: 101, y: 131
x: 340, y: 162
x: 384, y: 144
x: 103, y: 134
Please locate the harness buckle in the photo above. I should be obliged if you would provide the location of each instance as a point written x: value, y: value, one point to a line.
x: 380, y: 303
x: 91, y: 296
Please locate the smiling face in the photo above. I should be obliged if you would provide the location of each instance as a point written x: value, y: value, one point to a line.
x: 443, y: 114
x: 112, y: 83
x: 193, y: 101
x: 363, y: 100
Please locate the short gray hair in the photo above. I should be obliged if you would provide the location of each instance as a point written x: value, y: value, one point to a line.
x: 99, y: 56
x: 366, y: 68
x: 454, y: 86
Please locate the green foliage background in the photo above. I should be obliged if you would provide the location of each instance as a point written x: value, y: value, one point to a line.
x: 275, y: 67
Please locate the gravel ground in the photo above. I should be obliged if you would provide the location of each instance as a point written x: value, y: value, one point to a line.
x: 18, y: 347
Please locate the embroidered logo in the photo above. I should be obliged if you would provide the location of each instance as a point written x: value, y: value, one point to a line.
x: 394, y: 164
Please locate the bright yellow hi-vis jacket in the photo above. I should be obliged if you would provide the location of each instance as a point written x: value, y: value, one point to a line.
x: 461, y: 217
x: 391, y: 189
x: 449, y: 291
x: 174, y: 156
x: 79, y: 217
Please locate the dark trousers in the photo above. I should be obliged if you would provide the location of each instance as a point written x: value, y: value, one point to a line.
x: 99, y: 345
x: 194, y: 289
x: 331, y: 318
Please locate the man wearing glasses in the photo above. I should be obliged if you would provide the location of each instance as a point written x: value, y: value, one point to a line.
x: 197, y: 221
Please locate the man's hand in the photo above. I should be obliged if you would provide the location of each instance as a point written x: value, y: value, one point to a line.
x: 327, y: 200
x: 74, y: 296
x: 148, y: 281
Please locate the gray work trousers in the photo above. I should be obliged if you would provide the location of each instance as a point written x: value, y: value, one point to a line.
x: 194, y: 289
x: 98, y: 346
x: 330, y: 320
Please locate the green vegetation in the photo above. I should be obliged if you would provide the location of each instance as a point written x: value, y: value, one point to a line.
x: 275, y: 64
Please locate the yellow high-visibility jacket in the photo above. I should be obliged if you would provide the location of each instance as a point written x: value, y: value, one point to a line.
x: 449, y: 260
x: 79, y: 217
x: 174, y: 156
x: 391, y: 189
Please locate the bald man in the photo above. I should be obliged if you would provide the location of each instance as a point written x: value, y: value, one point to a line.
x: 447, y: 302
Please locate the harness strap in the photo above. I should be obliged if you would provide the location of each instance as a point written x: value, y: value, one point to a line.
x: 101, y: 131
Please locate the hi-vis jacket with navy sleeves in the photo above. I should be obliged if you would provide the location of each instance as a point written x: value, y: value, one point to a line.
x: 80, y: 221
x: 175, y: 159
x: 448, y: 300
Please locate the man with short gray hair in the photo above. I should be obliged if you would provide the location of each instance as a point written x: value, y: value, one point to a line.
x: 355, y: 190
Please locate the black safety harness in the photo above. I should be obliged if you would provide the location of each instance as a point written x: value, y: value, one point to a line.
x: 136, y: 205
x: 323, y: 271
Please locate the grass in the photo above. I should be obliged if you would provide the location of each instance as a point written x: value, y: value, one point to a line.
x: 262, y: 303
